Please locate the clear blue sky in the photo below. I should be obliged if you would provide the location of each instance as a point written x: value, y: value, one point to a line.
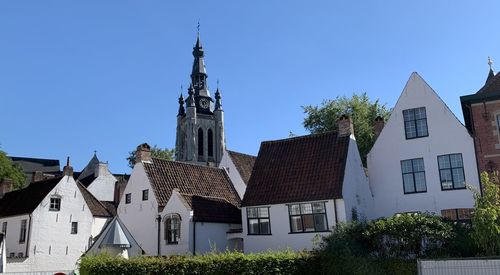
x: 105, y: 75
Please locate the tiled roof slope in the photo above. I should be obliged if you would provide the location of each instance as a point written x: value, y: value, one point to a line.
x: 244, y: 164
x: 298, y: 169
x: 25, y: 201
x: 211, y: 209
x: 165, y: 175
x: 95, y: 206
x: 492, y: 85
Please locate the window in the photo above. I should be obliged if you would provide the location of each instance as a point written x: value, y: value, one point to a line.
x: 145, y: 194
x: 74, y: 227
x: 4, y: 228
x: 457, y: 215
x: 413, y: 176
x: 55, y: 204
x: 307, y: 217
x: 415, y: 123
x: 128, y: 198
x: 22, y: 232
x: 451, y: 172
x: 258, y: 221
x: 210, y: 142
x: 172, y: 229
x: 200, y: 142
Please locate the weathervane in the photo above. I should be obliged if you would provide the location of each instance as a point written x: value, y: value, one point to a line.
x: 490, y: 62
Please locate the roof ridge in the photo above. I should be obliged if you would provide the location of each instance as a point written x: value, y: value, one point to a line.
x: 90, y: 193
x: 187, y: 163
x: 231, y: 151
x: 489, y: 83
x: 312, y: 135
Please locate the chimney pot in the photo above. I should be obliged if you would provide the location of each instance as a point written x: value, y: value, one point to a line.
x: 143, y: 153
x: 378, y: 125
x: 68, y: 170
x: 37, y: 176
x: 345, y: 127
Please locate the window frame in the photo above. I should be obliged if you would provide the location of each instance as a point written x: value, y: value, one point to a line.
x: 413, y: 175
x: 74, y: 228
x: 258, y: 218
x: 451, y: 171
x: 145, y: 194
x: 56, y: 204
x: 169, y: 229
x: 22, y: 231
x: 414, y: 121
x: 301, y: 215
x: 128, y: 198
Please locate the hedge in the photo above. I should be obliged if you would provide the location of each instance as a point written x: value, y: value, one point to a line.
x: 223, y: 263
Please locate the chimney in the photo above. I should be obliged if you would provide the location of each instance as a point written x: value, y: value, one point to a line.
x: 345, y: 127
x: 143, y: 153
x: 37, y: 176
x: 101, y: 169
x: 5, y: 187
x: 67, y: 170
x: 378, y: 125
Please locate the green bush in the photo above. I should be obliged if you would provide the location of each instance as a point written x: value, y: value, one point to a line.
x: 223, y: 263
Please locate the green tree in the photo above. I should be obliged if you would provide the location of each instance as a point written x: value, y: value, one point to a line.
x: 360, y: 108
x: 486, y: 218
x: 156, y: 152
x: 9, y: 170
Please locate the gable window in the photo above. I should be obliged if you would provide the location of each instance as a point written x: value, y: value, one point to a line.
x: 173, y: 229
x: 128, y: 198
x: 145, y: 194
x: 55, y: 204
x: 74, y: 228
x: 258, y: 221
x: 413, y: 176
x: 415, y: 123
x: 22, y: 231
x: 4, y: 228
x: 307, y: 217
x: 451, y: 172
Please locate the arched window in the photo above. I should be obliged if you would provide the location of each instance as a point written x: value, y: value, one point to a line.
x: 200, y: 142
x: 172, y: 228
x: 210, y: 142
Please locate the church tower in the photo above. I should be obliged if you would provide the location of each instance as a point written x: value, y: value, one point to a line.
x: 200, y: 124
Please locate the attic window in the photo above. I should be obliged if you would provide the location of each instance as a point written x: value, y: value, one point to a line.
x: 415, y: 123
x: 55, y: 203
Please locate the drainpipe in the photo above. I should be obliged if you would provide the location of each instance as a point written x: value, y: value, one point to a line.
x: 194, y: 237
x: 335, y: 210
x: 158, y: 219
x: 28, y: 238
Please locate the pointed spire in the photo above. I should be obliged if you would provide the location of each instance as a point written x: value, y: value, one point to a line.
x: 491, y: 74
x: 218, y: 102
x: 181, y: 105
x: 190, y: 100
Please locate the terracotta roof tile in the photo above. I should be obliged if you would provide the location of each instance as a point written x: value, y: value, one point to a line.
x: 244, y: 164
x: 298, y: 169
x: 165, y: 175
x: 95, y: 206
x: 490, y: 86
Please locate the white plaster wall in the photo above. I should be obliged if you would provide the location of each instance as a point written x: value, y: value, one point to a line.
x: 280, y: 237
x: 175, y: 205
x: 140, y: 216
x: 233, y: 173
x: 103, y: 187
x: 98, y: 224
x: 13, y: 232
x: 356, y: 191
x: 211, y: 237
x: 51, y: 230
x: 446, y: 136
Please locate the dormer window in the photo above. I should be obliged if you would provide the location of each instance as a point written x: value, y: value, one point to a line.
x: 55, y: 203
x: 415, y: 123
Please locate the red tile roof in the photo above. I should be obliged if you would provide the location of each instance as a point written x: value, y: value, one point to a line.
x: 95, y: 206
x: 492, y: 85
x: 298, y: 169
x: 244, y: 164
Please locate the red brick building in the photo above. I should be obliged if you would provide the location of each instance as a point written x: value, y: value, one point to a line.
x: 482, y: 118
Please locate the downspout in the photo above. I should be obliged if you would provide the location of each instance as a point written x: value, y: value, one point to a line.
x: 194, y: 237
x: 335, y: 210
x: 469, y: 107
x: 28, y: 238
x: 158, y: 219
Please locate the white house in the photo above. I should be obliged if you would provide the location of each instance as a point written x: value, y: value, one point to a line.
x: 97, y: 178
x: 49, y: 224
x: 173, y: 207
x: 423, y: 158
x: 302, y: 187
x: 239, y: 167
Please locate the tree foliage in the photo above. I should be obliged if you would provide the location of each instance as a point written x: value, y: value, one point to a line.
x: 360, y: 108
x: 486, y: 218
x: 9, y: 170
x: 156, y: 152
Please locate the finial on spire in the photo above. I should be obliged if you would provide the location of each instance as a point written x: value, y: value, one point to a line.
x: 181, y: 105
x: 491, y: 74
x: 218, y: 102
x: 198, y: 27
x: 490, y: 62
x: 67, y: 161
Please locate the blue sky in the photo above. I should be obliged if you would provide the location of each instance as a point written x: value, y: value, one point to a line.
x: 105, y: 75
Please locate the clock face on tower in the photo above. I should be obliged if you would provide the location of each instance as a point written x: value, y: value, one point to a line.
x: 204, y: 103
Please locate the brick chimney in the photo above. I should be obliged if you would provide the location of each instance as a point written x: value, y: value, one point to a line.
x: 378, y: 125
x: 5, y: 187
x: 345, y: 126
x: 37, y: 176
x: 68, y: 170
x: 143, y: 153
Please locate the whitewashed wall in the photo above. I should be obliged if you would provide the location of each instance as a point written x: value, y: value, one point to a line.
x: 97, y: 225
x: 103, y: 187
x: 446, y: 136
x: 140, y: 216
x: 175, y: 205
x: 211, y: 237
x: 234, y: 175
x: 13, y: 233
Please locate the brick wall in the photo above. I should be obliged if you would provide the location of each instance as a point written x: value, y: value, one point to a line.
x: 487, y: 139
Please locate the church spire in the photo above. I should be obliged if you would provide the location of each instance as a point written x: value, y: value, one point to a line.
x: 491, y: 74
x: 181, y: 106
x: 218, y: 103
x: 199, y: 73
x: 190, y: 100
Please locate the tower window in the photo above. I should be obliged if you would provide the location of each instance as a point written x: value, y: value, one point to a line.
x: 210, y: 143
x: 200, y: 142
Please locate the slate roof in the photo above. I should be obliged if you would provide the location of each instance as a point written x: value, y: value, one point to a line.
x: 30, y: 165
x: 26, y: 200
x: 491, y: 85
x: 244, y: 164
x: 197, y: 180
x: 298, y: 169
x: 212, y: 209
x: 110, y: 207
x: 94, y: 205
